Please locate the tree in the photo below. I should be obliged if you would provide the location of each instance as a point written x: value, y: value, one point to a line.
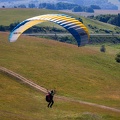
x: 3, y: 6
x: 12, y: 25
x: 15, y: 6
x: 80, y: 19
x: 50, y: 6
x: 118, y: 19
x: 90, y: 10
x: 95, y: 7
x: 117, y: 58
x: 22, y: 6
x: 31, y: 6
x: 2, y: 28
x: 42, y: 5
x: 111, y: 19
x: 77, y: 9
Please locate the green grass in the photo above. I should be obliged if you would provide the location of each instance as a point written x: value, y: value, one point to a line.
x: 98, y: 24
x: 8, y: 16
x: 20, y: 102
x: 83, y: 73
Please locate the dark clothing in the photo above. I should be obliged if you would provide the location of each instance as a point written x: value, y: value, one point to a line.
x: 50, y: 103
x: 49, y: 98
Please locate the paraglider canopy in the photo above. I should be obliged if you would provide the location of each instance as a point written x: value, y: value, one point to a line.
x: 75, y: 27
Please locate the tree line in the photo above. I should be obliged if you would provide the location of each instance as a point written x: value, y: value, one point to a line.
x: 69, y: 6
x: 34, y: 29
x: 111, y: 19
x: 62, y: 6
x: 48, y: 29
x: 67, y: 39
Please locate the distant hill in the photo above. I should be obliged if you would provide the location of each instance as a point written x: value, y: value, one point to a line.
x: 23, y: 14
x: 104, y: 4
x: 116, y: 2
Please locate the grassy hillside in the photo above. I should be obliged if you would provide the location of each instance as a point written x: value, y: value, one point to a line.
x: 9, y: 16
x: 20, y: 102
x: 12, y: 15
x: 81, y: 73
x: 65, y: 67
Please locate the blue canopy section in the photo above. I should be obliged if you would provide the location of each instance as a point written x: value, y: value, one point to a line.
x: 19, y: 25
x: 74, y: 32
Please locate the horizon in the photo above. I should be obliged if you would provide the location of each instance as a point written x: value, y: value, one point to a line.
x: 11, y: 3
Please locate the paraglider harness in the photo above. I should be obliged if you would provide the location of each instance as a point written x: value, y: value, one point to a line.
x: 48, y: 99
x: 49, y: 96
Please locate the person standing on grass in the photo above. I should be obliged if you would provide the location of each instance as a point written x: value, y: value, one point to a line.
x: 49, y: 98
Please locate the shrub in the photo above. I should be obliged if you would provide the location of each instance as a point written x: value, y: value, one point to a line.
x: 117, y: 58
x: 103, y: 49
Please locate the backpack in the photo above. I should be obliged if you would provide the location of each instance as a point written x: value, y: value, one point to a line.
x: 48, y: 97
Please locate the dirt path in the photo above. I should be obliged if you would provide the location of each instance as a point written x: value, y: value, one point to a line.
x: 43, y: 90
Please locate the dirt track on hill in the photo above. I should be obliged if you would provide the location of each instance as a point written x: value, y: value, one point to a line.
x: 44, y: 90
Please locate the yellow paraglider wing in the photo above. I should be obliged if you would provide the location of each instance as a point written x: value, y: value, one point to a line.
x: 75, y: 27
